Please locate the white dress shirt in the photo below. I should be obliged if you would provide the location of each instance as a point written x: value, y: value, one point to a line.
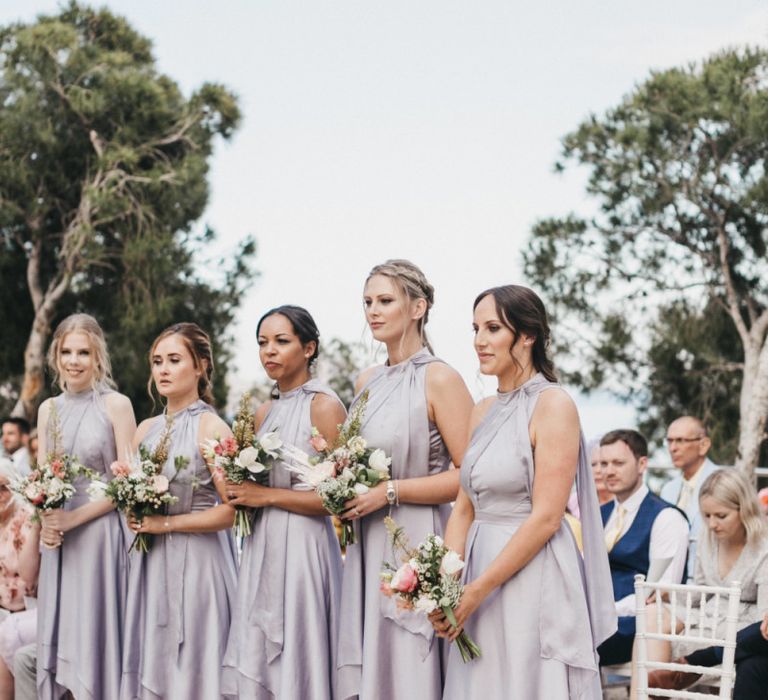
x: 669, y: 540
x: 20, y: 460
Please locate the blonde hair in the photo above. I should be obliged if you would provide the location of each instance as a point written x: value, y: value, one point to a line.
x: 198, y: 343
x: 89, y: 326
x: 733, y: 490
x: 413, y: 285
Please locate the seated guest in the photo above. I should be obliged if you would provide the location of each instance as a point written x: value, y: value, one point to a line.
x: 734, y: 548
x: 688, y: 445
x: 643, y: 534
x: 19, y: 563
x: 15, y: 433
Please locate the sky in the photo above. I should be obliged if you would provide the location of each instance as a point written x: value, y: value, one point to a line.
x: 425, y: 130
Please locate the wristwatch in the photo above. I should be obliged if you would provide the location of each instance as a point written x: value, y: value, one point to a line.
x: 391, y: 494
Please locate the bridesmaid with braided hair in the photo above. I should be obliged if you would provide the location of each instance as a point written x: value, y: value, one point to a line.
x: 181, y: 592
x: 418, y: 411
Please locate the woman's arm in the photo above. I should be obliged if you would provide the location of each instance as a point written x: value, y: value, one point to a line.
x: 326, y: 413
x: 450, y: 407
x: 29, y: 554
x: 120, y: 412
x: 555, y: 440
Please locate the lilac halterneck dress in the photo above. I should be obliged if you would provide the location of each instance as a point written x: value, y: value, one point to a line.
x: 538, y: 631
x: 282, y: 643
x: 82, y: 584
x: 385, y: 652
x: 180, y: 593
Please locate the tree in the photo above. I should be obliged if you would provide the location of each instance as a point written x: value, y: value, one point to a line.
x: 103, y: 166
x: 678, y: 173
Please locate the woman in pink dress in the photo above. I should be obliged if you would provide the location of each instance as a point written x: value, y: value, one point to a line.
x: 19, y: 564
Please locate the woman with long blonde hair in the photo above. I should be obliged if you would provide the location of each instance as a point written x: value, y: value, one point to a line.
x: 417, y: 411
x: 735, y: 548
x: 84, y: 568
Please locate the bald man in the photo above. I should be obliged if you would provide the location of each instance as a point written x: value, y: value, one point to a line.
x: 688, y: 445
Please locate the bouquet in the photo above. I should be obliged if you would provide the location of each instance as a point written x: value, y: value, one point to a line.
x: 243, y: 457
x: 426, y: 580
x: 138, y: 487
x: 51, y: 483
x: 341, y: 472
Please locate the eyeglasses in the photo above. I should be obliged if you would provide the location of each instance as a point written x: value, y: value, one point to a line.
x: 681, y: 441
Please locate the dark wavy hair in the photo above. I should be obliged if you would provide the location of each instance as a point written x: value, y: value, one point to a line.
x: 522, y: 311
x: 303, y: 325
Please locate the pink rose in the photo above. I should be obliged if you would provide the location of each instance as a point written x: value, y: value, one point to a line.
x: 229, y: 445
x: 160, y: 483
x: 217, y: 448
x: 319, y: 443
x: 57, y: 467
x: 405, y: 579
x: 120, y: 468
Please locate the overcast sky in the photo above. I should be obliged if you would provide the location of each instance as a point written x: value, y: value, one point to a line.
x: 424, y: 129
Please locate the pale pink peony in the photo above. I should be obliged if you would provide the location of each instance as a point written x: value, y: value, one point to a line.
x: 405, y: 579
x: 160, y: 483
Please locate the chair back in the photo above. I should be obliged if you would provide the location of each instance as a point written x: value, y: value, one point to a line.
x: 723, y: 602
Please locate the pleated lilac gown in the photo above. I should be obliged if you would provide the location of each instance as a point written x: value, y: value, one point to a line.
x: 282, y: 643
x: 82, y: 584
x: 538, y: 632
x: 180, y: 594
x: 385, y: 652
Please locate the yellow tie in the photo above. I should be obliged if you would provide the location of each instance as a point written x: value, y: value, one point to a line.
x: 686, y: 491
x: 614, y: 535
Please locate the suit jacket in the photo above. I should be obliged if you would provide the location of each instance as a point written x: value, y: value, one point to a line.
x: 671, y: 492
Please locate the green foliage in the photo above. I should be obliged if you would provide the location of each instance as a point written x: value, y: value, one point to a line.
x: 680, y: 232
x: 103, y: 175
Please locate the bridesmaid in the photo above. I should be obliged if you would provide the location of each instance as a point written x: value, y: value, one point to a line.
x: 535, y: 609
x: 180, y: 593
x: 84, y: 567
x: 418, y: 411
x: 283, y: 638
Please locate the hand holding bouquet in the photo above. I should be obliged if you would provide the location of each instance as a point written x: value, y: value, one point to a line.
x: 243, y: 457
x: 138, y: 487
x: 339, y: 473
x: 51, y: 483
x: 427, y: 580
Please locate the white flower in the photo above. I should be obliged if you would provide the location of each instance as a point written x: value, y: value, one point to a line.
x: 357, y: 444
x: 96, y: 489
x: 320, y: 472
x: 348, y: 474
x: 379, y: 461
x: 451, y: 563
x: 249, y: 459
x: 270, y: 443
x: 160, y: 483
x: 425, y: 604
x: 55, y: 487
x: 360, y: 489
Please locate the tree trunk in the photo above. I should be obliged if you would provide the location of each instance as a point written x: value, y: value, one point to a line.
x: 34, y: 366
x: 754, y: 408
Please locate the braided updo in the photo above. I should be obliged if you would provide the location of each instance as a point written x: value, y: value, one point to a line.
x: 412, y: 282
